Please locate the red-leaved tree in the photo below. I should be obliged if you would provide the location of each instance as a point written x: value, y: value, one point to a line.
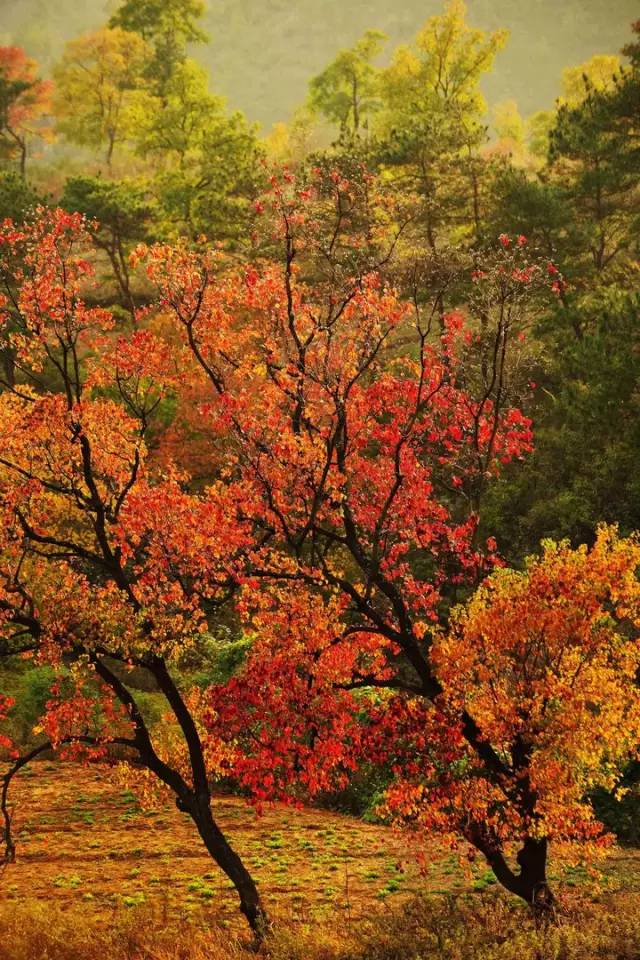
x: 350, y: 440
x: 107, y: 562
x: 24, y: 103
x: 358, y: 442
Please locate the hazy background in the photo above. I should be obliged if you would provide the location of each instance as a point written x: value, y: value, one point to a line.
x: 263, y: 52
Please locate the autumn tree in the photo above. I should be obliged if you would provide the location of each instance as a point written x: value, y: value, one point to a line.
x: 431, y: 122
x: 424, y: 120
x: 346, y: 93
x: 510, y: 131
x: 295, y: 141
x: 24, y: 104
x: 205, y: 158
x: 362, y: 467
x: 18, y: 201
x: 168, y: 26
x: 598, y: 73
x: 363, y: 479
x: 352, y: 439
x: 100, y: 94
x: 5, y: 705
x: 94, y: 569
x: 545, y: 662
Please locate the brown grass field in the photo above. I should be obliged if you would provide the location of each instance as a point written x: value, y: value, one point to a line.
x: 88, y: 853
x: 83, y: 839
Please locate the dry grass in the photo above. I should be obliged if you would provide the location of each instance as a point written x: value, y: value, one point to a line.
x: 436, y: 928
x: 84, y: 840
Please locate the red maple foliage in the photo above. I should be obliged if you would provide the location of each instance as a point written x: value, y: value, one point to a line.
x: 350, y: 440
x: 6, y: 703
x: 24, y: 102
x: 360, y: 464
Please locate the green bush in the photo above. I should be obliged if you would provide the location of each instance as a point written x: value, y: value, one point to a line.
x: 622, y: 817
x: 17, y: 198
x: 362, y: 796
x: 221, y: 659
x: 32, y: 690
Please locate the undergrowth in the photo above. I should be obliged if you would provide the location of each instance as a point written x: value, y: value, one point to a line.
x: 435, y: 928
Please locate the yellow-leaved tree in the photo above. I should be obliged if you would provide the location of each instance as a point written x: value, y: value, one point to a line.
x: 101, y: 93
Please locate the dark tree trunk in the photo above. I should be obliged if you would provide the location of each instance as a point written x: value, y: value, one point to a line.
x: 118, y: 262
x: 530, y: 883
x: 111, y: 143
x: 197, y: 802
x: 231, y: 864
x: 356, y: 109
x: 535, y: 889
x: 23, y: 159
x: 194, y: 800
x: 9, y: 366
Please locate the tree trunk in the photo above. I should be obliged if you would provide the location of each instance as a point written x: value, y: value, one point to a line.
x: 530, y: 884
x: 8, y: 357
x: 535, y: 889
x: 126, y: 283
x: 356, y: 110
x: 111, y: 142
x: 231, y: 864
x: 120, y: 272
x: 196, y: 800
x: 23, y: 159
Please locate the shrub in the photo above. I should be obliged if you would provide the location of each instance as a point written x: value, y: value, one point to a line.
x: 622, y: 816
x: 32, y: 692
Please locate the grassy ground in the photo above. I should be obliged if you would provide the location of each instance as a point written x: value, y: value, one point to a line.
x: 87, y: 850
x: 82, y: 838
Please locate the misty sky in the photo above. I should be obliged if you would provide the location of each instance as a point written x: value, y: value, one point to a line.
x: 263, y: 52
